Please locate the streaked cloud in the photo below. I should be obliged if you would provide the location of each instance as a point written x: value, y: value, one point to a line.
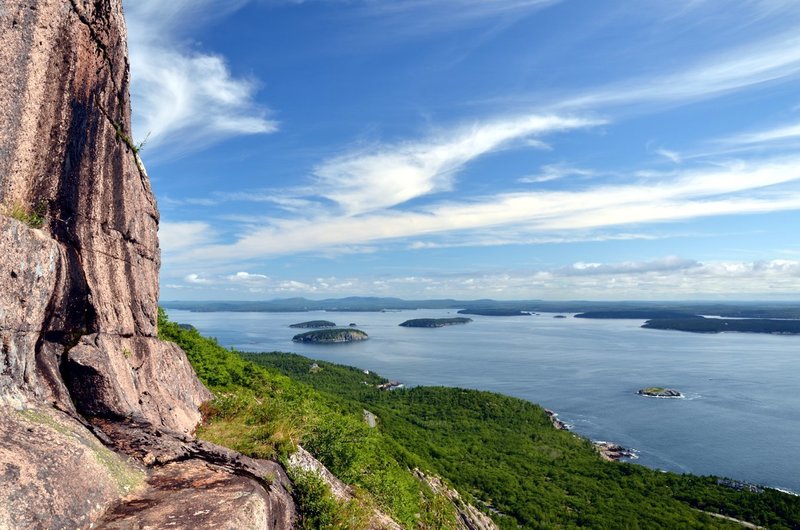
x: 185, y: 99
x: 556, y: 172
x: 672, y: 156
x: 772, y: 59
x: 778, y: 134
x: 740, y: 188
x: 388, y: 175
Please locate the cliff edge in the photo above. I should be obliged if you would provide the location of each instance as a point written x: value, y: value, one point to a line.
x: 79, y: 353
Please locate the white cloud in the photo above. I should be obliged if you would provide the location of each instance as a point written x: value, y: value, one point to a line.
x: 556, y: 172
x: 666, y: 278
x: 393, y: 174
x: 182, y: 98
x: 743, y: 187
x: 779, y: 134
x: 672, y: 156
x: 196, y: 279
x: 246, y: 277
x: 181, y: 236
x: 668, y: 264
x: 774, y: 59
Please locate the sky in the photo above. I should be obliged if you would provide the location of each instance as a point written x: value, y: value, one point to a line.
x: 506, y: 149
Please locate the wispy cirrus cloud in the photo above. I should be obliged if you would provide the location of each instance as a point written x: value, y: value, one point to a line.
x: 778, y: 134
x: 771, y: 59
x: 739, y: 188
x: 185, y: 99
x: 389, y: 175
x: 558, y: 171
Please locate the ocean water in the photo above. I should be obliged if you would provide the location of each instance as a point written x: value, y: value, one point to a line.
x: 740, y: 417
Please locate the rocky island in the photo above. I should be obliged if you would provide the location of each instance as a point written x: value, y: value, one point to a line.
x: 314, y: 324
x: 434, y: 322
x: 331, y: 336
x: 659, y: 392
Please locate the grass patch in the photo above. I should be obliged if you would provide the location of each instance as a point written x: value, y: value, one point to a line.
x: 32, y: 216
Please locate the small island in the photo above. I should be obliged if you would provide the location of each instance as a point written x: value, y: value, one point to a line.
x: 560, y: 316
x: 659, y: 392
x: 434, y: 322
x: 331, y: 336
x: 314, y: 324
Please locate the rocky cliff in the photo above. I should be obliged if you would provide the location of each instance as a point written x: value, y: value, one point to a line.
x: 79, y: 353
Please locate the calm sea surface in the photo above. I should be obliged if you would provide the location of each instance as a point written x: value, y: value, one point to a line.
x: 740, y: 417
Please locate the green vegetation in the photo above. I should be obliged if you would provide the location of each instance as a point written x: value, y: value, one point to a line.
x: 501, y: 453
x: 265, y: 414
x: 317, y: 507
x: 720, y: 325
x: 33, y: 217
x: 434, y: 322
x: 315, y: 324
x: 331, y: 336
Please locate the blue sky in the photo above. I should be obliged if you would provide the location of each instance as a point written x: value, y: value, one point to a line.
x: 506, y: 149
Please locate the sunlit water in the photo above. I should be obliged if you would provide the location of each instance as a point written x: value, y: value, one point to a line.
x: 740, y: 417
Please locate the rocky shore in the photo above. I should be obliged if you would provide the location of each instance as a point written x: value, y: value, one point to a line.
x: 613, y: 452
x: 659, y: 392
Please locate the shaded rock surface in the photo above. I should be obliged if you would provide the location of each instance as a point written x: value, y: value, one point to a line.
x: 78, y: 300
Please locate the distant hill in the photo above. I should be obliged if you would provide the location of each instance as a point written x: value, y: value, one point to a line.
x: 495, y: 307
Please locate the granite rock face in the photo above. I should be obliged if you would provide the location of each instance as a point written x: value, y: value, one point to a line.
x: 67, y: 155
x: 55, y: 474
x: 79, y: 262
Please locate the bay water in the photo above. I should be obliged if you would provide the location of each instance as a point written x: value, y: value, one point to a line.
x: 740, y: 416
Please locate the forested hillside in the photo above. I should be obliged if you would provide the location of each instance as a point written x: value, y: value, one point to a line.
x: 501, y: 453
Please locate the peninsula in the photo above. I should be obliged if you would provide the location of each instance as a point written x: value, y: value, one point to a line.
x: 721, y: 325
x: 434, y: 322
x: 330, y: 336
